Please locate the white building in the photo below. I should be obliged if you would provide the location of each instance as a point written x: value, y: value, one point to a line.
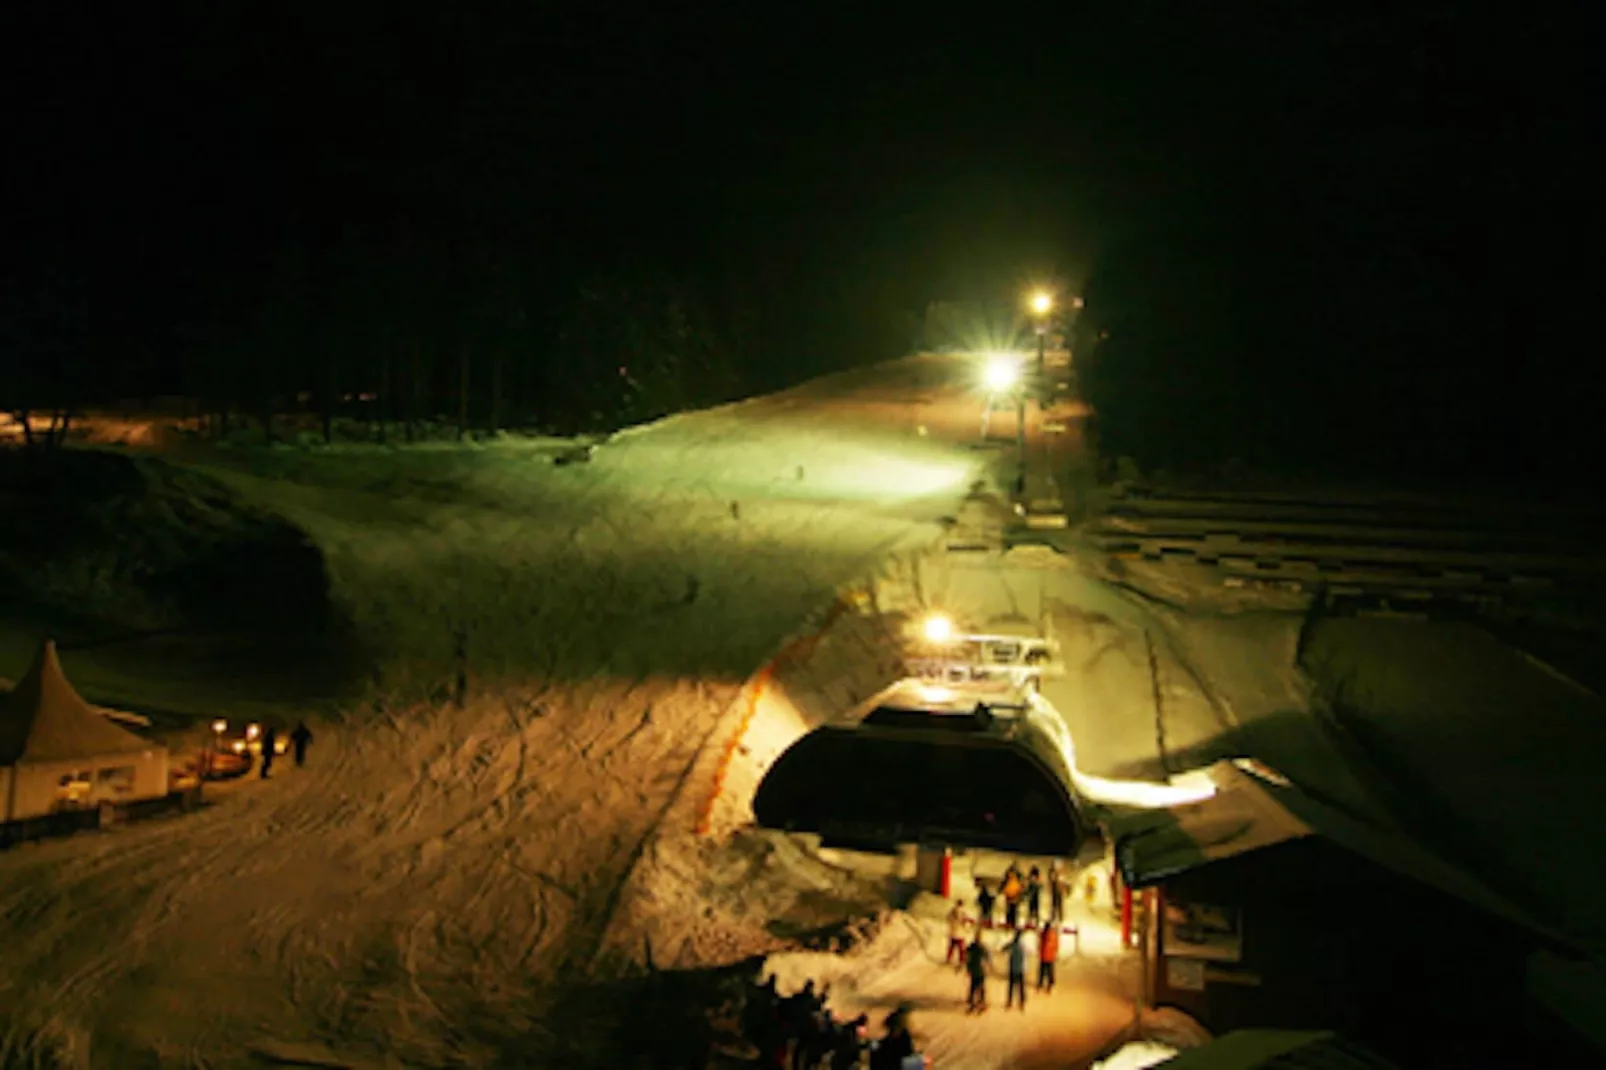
x: 57, y: 753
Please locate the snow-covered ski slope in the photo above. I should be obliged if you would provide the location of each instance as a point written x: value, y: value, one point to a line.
x: 423, y: 890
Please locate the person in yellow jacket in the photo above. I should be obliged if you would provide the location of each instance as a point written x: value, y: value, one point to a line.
x: 1012, y: 891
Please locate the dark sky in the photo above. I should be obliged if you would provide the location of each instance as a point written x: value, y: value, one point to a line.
x: 162, y: 155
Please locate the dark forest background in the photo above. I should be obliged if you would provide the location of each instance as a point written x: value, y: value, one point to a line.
x: 1308, y: 239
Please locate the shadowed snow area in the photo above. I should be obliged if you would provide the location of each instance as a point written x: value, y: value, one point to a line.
x: 537, y: 655
x: 1500, y: 757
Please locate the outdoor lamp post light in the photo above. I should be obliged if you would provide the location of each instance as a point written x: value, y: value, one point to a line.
x: 1041, y: 303
x: 937, y: 628
x: 1001, y: 375
x: 214, y: 747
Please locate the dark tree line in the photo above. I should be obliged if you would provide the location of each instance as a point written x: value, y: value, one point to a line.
x: 43, y: 335
x: 1359, y: 253
x: 492, y: 220
x: 1335, y: 350
x: 478, y: 340
x: 408, y: 332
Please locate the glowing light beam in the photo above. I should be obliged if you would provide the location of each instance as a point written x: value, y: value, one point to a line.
x: 1001, y: 374
x: 938, y: 628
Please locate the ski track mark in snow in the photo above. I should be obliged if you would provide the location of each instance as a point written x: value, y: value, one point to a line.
x: 418, y: 887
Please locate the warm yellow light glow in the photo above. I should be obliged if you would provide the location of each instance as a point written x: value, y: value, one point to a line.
x: 933, y: 693
x: 938, y: 628
x: 1190, y: 787
x: 220, y: 726
x: 238, y: 746
x: 1042, y: 302
x: 886, y: 477
x: 1256, y: 768
x: 1001, y: 374
x: 252, y: 731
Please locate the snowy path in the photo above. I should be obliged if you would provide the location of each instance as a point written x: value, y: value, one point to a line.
x: 903, y: 966
x: 414, y: 893
x: 389, y: 910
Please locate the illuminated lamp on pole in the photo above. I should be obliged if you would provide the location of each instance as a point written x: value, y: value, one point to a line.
x: 938, y: 628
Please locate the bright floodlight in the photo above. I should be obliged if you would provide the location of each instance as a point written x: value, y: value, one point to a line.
x: 1042, y: 302
x: 220, y: 726
x: 1001, y: 374
x: 938, y: 628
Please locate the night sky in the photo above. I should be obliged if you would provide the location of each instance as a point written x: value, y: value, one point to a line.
x: 1420, y: 171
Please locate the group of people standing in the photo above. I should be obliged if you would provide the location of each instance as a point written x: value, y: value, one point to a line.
x: 974, y: 957
x: 1017, y: 891
x: 800, y: 1033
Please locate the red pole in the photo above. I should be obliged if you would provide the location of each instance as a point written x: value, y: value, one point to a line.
x: 947, y: 878
x: 1126, y: 917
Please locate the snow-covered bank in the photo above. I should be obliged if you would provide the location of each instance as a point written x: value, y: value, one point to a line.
x: 1435, y: 747
x: 1496, y: 761
x: 712, y: 888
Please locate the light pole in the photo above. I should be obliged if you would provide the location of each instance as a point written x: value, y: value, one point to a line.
x: 1004, y: 374
x: 938, y: 628
x: 219, y: 726
x: 999, y: 377
x: 1042, y: 303
x: 1020, y: 440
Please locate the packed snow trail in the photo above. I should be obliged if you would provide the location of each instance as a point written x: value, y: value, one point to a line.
x: 416, y: 892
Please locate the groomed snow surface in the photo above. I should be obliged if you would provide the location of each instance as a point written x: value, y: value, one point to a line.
x: 450, y: 886
x: 542, y: 667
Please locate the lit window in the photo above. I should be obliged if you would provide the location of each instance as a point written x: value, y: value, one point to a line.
x: 116, y: 781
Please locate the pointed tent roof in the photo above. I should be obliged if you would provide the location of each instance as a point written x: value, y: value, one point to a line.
x: 43, y: 719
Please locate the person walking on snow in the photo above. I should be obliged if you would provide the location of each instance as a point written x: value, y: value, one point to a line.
x: 1034, y: 898
x: 956, y: 937
x: 976, y: 965
x: 1017, y: 973
x: 1048, y: 953
x: 299, y: 738
x: 270, y: 743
